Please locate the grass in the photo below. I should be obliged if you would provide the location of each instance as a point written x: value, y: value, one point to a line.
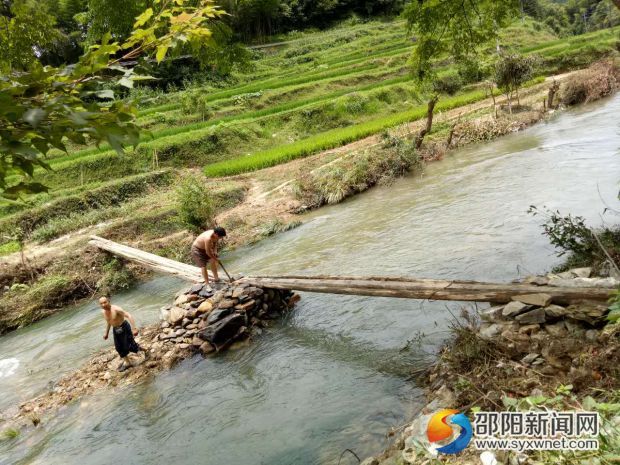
x: 9, y: 248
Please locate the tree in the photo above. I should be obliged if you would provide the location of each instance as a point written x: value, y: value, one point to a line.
x: 43, y: 107
x: 455, y: 29
x: 511, y: 72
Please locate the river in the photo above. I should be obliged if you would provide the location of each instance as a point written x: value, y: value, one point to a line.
x: 334, y: 374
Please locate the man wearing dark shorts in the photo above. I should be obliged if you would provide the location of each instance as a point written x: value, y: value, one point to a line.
x: 119, y: 320
x: 204, y: 250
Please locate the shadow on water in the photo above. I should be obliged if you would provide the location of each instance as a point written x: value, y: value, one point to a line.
x: 332, y: 375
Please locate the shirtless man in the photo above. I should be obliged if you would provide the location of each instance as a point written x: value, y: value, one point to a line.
x: 204, y: 249
x: 117, y: 319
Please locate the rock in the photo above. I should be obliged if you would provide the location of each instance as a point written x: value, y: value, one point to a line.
x: 537, y: 280
x: 165, y: 325
x: 490, y: 331
x: 238, y: 292
x: 574, y: 328
x: 197, y: 342
x: 204, y: 307
x: 591, y: 313
x: 370, y: 461
x: 541, y: 299
x: 529, y: 358
x: 492, y: 314
x: 228, y: 303
x: 217, y: 315
x: 245, y: 307
x: 179, y: 332
x: 529, y: 329
x: 185, y: 322
x: 555, y: 311
x: 164, y: 312
x: 176, y: 315
x: 107, y: 376
x: 195, y: 289
x: 206, y: 348
x: 184, y: 345
x: 532, y: 317
x: 191, y: 314
x: 182, y: 299
x: 191, y: 326
x: 255, y: 291
x: 581, y: 272
x: 206, y: 292
x: 223, y: 330
x: 591, y: 335
x: 293, y: 300
x: 556, y: 330
x: 584, y: 282
x: 512, y: 309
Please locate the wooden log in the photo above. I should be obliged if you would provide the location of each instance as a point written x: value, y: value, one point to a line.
x: 380, y: 286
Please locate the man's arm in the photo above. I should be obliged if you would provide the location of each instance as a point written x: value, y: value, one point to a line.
x: 107, y: 330
x: 132, y: 322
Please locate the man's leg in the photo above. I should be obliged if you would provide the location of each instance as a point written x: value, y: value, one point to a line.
x: 214, y: 269
x: 205, y: 274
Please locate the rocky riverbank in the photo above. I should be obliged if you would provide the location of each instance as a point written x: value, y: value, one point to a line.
x: 202, y: 320
x: 530, y: 353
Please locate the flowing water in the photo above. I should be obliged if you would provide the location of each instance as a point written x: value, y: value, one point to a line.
x: 333, y: 374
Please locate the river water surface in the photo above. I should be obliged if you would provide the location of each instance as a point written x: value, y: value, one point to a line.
x: 333, y: 374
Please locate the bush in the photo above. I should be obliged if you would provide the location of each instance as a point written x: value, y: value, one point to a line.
x: 116, y: 276
x: 448, y: 84
x: 585, y: 246
x: 195, y: 205
x: 598, y: 81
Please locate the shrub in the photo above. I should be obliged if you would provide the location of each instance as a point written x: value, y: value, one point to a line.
x: 449, y: 84
x: 195, y: 205
x: 585, y: 246
x: 598, y: 81
x: 116, y: 276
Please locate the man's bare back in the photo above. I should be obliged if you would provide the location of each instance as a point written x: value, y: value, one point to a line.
x: 206, y: 241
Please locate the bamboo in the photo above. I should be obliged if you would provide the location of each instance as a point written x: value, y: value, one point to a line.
x: 379, y: 286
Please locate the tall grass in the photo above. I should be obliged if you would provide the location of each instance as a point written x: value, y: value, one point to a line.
x: 331, y: 139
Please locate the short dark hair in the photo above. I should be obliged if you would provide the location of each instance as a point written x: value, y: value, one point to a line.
x: 220, y: 231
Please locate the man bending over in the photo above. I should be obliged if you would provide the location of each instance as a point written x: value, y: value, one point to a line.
x: 117, y: 319
x: 204, y: 250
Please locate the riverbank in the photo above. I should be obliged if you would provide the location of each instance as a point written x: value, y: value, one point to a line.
x: 530, y: 354
x: 202, y: 320
x: 36, y: 284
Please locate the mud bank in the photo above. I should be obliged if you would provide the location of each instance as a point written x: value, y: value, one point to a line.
x: 202, y: 320
x: 528, y: 354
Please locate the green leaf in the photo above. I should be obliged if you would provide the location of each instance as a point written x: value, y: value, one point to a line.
x: 105, y: 94
x: 162, y: 49
x: 143, y: 18
x: 126, y: 82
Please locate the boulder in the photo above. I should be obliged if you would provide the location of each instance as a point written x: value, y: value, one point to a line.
x: 535, y: 316
x: 555, y: 311
x: 182, y: 299
x: 223, y: 330
x: 540, y: 299
x: 490, y: 331
x: 529, y: 329
x: 238, y: 292
x: 491, y: 314
x: 204, y: 307
x: 245, y: 307
x: 581, y: 272
x: 197, y: 342
x: 591, y: 313
x: 228, y: 303
x: 179, y: 332
x: 512, y: 309
x: 196, y: 288
x: 217, y: 315
x: 206, y: 348
x: 556, y: 329
x: 206, y: 292
x: 176, y: 315
x: 537, y: 280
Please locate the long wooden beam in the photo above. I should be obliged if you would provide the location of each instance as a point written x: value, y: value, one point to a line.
x: 379, y: 286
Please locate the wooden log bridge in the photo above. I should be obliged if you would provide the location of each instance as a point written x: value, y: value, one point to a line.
x: 377, y: 286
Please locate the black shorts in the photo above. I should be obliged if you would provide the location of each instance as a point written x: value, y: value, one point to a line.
x: 123, y: 339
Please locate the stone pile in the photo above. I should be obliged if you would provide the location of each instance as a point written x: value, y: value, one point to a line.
x: 209, y: 319
x: 534, y: 324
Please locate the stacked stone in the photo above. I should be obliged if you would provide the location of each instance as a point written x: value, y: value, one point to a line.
x: 534, y: 324
x: 209, y: 320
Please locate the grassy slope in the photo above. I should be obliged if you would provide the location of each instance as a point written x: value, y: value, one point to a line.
x: 345, y: 84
